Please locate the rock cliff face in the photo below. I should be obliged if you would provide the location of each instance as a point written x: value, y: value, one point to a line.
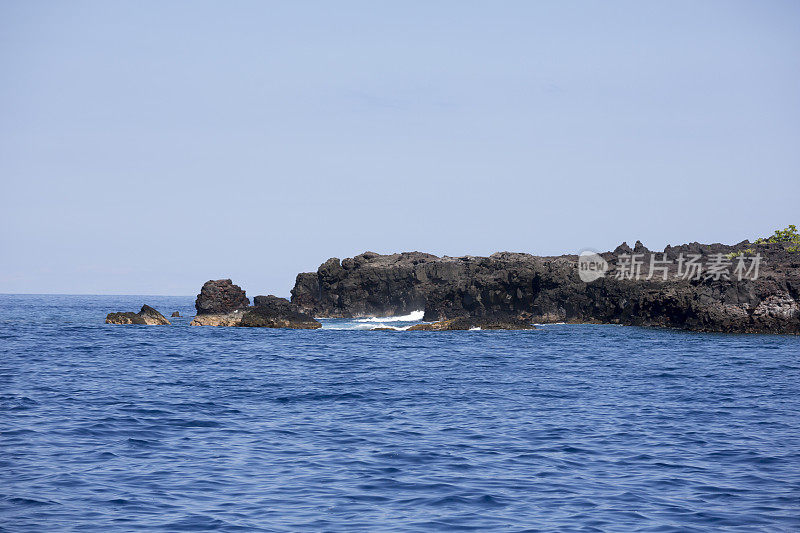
x: 548, y: 289
x: 373, y: 285
x: 147, y: 316
x: 219, y: 297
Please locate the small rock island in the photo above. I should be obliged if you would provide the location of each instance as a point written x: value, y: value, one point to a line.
x: 221, y: 303
x: 147, y: 316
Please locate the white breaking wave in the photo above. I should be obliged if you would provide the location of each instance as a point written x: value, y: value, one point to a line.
x: 476, y: 328
x: 396, y: 328
x: 413, y: 316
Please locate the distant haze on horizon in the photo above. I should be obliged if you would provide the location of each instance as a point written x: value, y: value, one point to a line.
x: 146, y: 147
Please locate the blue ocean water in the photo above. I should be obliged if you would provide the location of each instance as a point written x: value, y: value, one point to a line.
x: 572, y: 428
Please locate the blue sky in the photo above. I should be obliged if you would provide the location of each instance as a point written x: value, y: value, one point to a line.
x: 146, y: 147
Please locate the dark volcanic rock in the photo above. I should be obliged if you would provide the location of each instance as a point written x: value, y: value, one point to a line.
x: 146, y: 316
x: 548, y: 289
x: 623, y: 249
x: 274, y: 312
x: 220, y: 297
x: 267, y: 316
x: 369, y: 284
x: 468, y: 323
x: 268, y: 312
x: 176, y: 314
x: 277, y: 304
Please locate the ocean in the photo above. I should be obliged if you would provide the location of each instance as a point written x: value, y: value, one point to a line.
x: 567, y: 427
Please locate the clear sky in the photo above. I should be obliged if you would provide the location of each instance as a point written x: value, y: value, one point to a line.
x: 146, y: 147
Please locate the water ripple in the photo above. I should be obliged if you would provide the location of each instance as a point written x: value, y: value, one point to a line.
x: 573, y: 428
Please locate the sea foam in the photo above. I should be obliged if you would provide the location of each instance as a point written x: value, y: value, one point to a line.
x: 413, y: 316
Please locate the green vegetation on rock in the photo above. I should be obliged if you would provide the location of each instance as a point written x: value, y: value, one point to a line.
x: 787, y: 236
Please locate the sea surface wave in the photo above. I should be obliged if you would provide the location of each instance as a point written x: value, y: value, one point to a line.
x: 568, y: 427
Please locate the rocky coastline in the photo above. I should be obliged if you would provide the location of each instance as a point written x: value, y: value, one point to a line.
x: 516, y: 290
x: 524, y: 288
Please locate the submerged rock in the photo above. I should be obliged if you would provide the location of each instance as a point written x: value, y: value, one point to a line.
x: 147, y: 316
x: 220, y: 297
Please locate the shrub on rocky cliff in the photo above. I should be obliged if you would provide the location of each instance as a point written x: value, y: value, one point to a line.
x: 787, y: 236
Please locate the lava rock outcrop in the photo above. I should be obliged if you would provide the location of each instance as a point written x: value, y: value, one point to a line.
x: 548, y: 289
x: 219, y: 297
x: 147, y: 316
x: 221, y: 303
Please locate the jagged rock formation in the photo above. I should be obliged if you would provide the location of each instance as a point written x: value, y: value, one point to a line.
x: 268, y: 311
x: 147, y: 316
x: 220, y: 297
x: 372, y: 284
x: 273, y: 312
x: 548, y: 289
x: 176, y: 314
